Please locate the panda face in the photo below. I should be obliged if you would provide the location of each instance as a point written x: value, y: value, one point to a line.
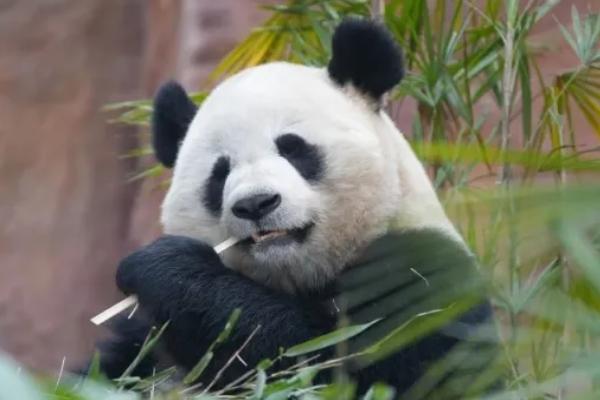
x: 298, y: 163
x: 279, y: 157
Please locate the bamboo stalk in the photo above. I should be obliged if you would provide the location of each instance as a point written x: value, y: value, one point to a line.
x: 377, y: 10
x: 132, y: 300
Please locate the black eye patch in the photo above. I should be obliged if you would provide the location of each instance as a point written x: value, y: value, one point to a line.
x: 213, y: 189
x: 305, y: 157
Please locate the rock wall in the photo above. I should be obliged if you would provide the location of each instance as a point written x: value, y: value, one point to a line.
x: 67, y: 212
x: 64, y: 214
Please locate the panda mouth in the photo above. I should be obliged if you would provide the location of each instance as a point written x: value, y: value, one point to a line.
x: 261, y: 236
x: 280, y: 236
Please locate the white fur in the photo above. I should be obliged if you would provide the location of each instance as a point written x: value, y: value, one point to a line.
x: 372, y: 178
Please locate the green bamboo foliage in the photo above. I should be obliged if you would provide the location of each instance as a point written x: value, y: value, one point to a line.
x: 455, y: 51
x: 299, y: 31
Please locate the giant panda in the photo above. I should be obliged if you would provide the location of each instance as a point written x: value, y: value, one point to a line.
x: 302, y: 165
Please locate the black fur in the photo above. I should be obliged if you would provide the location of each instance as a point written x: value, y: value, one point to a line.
x: 365, y: 54
x: 173, y: 112
x: 183, y: 280
x: 118, y: 352
x: 305, y: 157
x: 213, y: 189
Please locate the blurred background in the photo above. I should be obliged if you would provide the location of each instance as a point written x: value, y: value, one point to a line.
x: 68, y: 208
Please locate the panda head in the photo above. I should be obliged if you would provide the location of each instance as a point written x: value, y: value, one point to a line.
x: 298, y: 162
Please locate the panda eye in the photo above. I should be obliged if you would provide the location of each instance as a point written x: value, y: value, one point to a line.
x: 220, y: 169
x: 290, y: 145
x: 213, y: 189
x: 305, y: 157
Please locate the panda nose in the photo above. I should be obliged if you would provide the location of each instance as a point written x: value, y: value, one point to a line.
x: 257, y: 206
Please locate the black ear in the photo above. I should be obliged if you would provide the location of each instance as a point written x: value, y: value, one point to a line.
x: 173, y: 112
x: 365, y: 54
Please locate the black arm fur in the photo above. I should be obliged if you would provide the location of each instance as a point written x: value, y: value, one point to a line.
x: 183, y: 280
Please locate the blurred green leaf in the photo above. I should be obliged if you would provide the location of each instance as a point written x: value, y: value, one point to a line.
x: 327, y: 340
x: 16, y: 383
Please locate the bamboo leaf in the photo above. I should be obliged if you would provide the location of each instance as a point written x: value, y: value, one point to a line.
x: 582, y: 250
x: 327, y: 340
x: 205, y: 360
x: 198, y: 369
x: 151, y: 341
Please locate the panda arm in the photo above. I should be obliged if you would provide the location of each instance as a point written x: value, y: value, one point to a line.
x: 409, y: 273
x: 183, y: 281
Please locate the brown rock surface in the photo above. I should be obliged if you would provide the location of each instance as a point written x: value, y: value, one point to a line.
x: 67, y: 213
x: 64, y: 205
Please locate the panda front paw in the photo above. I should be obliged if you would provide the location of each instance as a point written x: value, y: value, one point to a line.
x: 160, y: 273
